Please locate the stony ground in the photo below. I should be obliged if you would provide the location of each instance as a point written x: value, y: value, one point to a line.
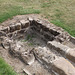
x: 34, y: 46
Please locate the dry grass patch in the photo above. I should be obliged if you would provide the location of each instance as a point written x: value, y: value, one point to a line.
x: 59, y: 12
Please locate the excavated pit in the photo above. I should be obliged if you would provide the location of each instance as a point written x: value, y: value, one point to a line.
x: 39, y: 47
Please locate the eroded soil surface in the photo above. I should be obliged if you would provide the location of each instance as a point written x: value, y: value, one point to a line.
x: 33, y: 46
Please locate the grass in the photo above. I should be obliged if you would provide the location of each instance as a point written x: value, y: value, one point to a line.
x: 30, y: 39
x: 59, y: 12
x: 65, y: 27
x: 5, y: 69
x: 14, y: 12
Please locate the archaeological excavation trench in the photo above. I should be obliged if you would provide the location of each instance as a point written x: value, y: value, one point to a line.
x: 41, y: 47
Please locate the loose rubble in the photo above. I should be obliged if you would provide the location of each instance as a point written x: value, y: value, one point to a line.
x: 39, y: 45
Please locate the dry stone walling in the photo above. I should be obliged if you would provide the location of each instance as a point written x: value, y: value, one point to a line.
x: 54, y: 53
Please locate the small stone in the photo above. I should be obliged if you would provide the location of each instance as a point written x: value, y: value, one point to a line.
x: 71, y: 55
x: 24, y: 24
x: 72, y: 39
x: 12, y: 28
x: 28, y: 58
x: 5, y: 29
x: 30, y: 19
x: 2, y: 33
x: 27, y: 72
x: 18, y: 26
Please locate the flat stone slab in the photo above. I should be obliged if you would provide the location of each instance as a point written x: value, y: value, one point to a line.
x: 57, y: 46
x: 71, y: 55
x: 62, y: 49
x: 36, y: 69
x: 63, y: 67
x: 60, y: 65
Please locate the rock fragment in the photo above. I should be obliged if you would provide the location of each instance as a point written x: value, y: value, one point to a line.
x: 18, y: 26
x: 63, y: 67
x: 12, y: 28
x: 27, y: 58
x: 71, y: 55
x: 24, y: 24
x: 62, y: 49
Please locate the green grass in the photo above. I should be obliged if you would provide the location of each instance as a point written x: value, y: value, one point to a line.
x: 17, y: 11
x: 59, y: 12
x: 5, y: 69
x: 64, y: 26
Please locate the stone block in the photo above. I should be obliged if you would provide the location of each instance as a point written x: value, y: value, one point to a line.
x: 6, y: 29
x: 71, y: 55
x: 57, y: 46
x: 18, y: 26
x: 2, y: 33
x: 12, y: 28
x: 24, y: 24
x: 63, y: 67
x: 27, y: 58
